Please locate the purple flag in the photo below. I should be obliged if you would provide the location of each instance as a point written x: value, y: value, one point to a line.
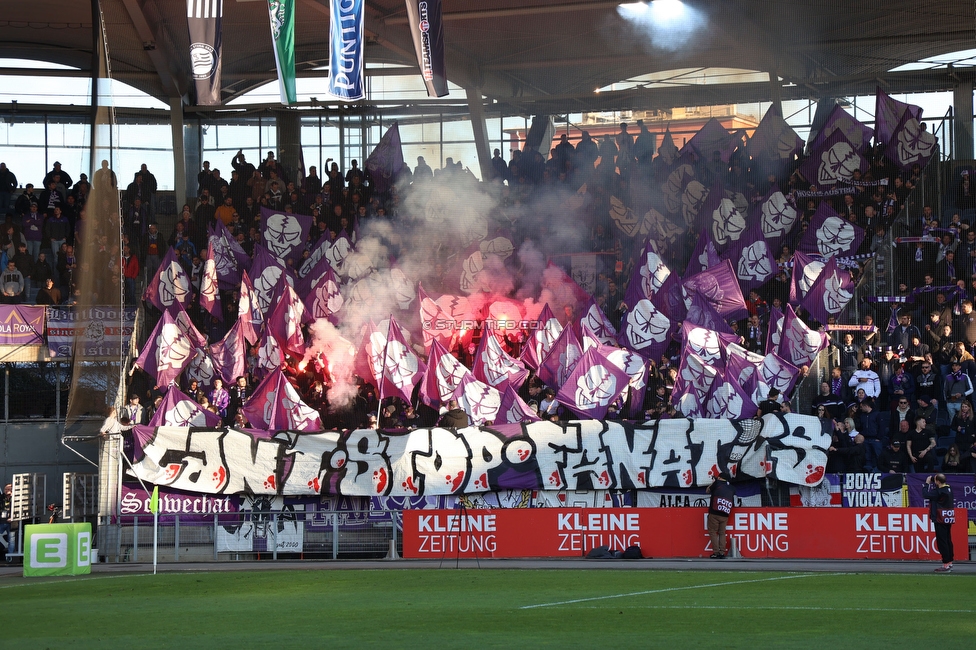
x: 667, y: 149
x: 840, y: 121
x: 285, y: 322
x: 339, y: 251
x: 829, y: 235
x: 277, y: 406
x: 648, y: 276
x: 167, y: 351
x: 171, y: 284
x: 480, y: 401
x: 561, y: 359
x: 720, y: 287
x: 704, y: 256
x: 270, y: 355
x: 513, y: 409
x: 593, y: 319
x: 209, y: 295
x: 402, y: 368
x: 179, y: 410
x: 776, y: 372
x: 691, y: 388
x: 888, y: 114
x: 743, y: 366
x: 635, y: 367
x: 229, y: 257
x: 594, y: 384
x: 721, y: 219
x: 710, y: 138
x: 833, y: 162
x: 229, y: 354
x: 248, y: 313
x: 671, y: 299
x: 201, y: 368
x: 774, y: 139
x: 728, y: 399
x: 183, y: 321
x: 702, y: 313
x: 321, y: 251
x: 494, y: 366
x: 284, y: 234
x: 386, y: 161
x: 442, y: 376
x: 265, y: 272
x: 911, y: 144
x: 646, y: 330
x: 708, y: 344
x: 774, y: 332
x: 21, y: 325
x: 541, y: 339
x: 323, y: 297
x: 830, y: 293
x: 369, y: 360
x: 752, y: 258
x: 776, y: 215
x: 799, y: 344
x: 805, y: 272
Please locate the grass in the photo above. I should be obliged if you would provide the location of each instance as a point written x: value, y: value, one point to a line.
x: 475, y: 609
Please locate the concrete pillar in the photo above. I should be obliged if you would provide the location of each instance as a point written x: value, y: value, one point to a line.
x: 476, y: 109
x: 179, y: 152
x: 775, y: 96
x: 193, y: 161
x: 962, y: 109
x: 289, y: 127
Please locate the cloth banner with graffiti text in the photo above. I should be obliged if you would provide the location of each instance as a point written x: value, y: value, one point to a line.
x: 574, y: 455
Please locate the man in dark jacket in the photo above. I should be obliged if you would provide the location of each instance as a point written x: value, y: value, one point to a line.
x: 719, y: 509
x: 871, y: 426
x: 943, y: 514
x: 893, y: 459
x: 454, y: 418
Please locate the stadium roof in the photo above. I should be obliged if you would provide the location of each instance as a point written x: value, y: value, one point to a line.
x: 537, y: 56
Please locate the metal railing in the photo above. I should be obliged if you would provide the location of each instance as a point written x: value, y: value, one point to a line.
x: 251, y: 535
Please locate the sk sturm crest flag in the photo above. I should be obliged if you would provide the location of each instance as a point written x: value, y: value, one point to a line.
x: 203, y: 19
x: 282, y: 16
x: 346, y: 49
x: 427, y: 30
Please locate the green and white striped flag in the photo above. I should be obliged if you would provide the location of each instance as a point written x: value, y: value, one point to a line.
x: 282, y: 14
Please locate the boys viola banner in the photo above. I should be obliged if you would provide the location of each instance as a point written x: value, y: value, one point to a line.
x: 799, y: 533
x: 575, y: 455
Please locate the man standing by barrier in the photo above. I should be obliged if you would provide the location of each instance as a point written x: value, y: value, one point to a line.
x: 943, y: 514
x: 719, y: 509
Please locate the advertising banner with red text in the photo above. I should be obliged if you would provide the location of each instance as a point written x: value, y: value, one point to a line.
x: 796, y: 533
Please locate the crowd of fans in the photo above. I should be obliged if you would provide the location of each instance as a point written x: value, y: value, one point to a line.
x: 897, y: 401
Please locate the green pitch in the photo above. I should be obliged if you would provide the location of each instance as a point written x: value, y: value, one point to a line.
x: 489, y: 608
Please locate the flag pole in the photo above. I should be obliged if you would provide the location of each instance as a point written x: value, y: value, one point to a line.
x: 382, y: 380
x: 154, y: 507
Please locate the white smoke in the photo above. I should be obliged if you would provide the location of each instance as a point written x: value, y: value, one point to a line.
x: 663, y: 24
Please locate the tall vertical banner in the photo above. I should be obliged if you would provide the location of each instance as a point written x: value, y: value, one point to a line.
x: 427, y: 30
x: 203, y: 19
x: 346, y: 49
x: 282, y: 15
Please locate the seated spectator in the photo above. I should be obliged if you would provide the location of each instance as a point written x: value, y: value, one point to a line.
x: 963, y: 426
x: 894, y: 459
x: 953, y: 462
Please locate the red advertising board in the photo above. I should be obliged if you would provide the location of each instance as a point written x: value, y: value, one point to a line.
x: 798, y: 533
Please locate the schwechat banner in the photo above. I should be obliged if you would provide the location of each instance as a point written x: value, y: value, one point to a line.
x: 787, y: 533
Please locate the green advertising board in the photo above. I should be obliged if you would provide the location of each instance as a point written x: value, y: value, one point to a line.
x: 57, y: 550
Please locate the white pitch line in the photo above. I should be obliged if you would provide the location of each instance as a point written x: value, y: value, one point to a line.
x: 69, y: 580
x: 803, y: 608
x: 670, y: 589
